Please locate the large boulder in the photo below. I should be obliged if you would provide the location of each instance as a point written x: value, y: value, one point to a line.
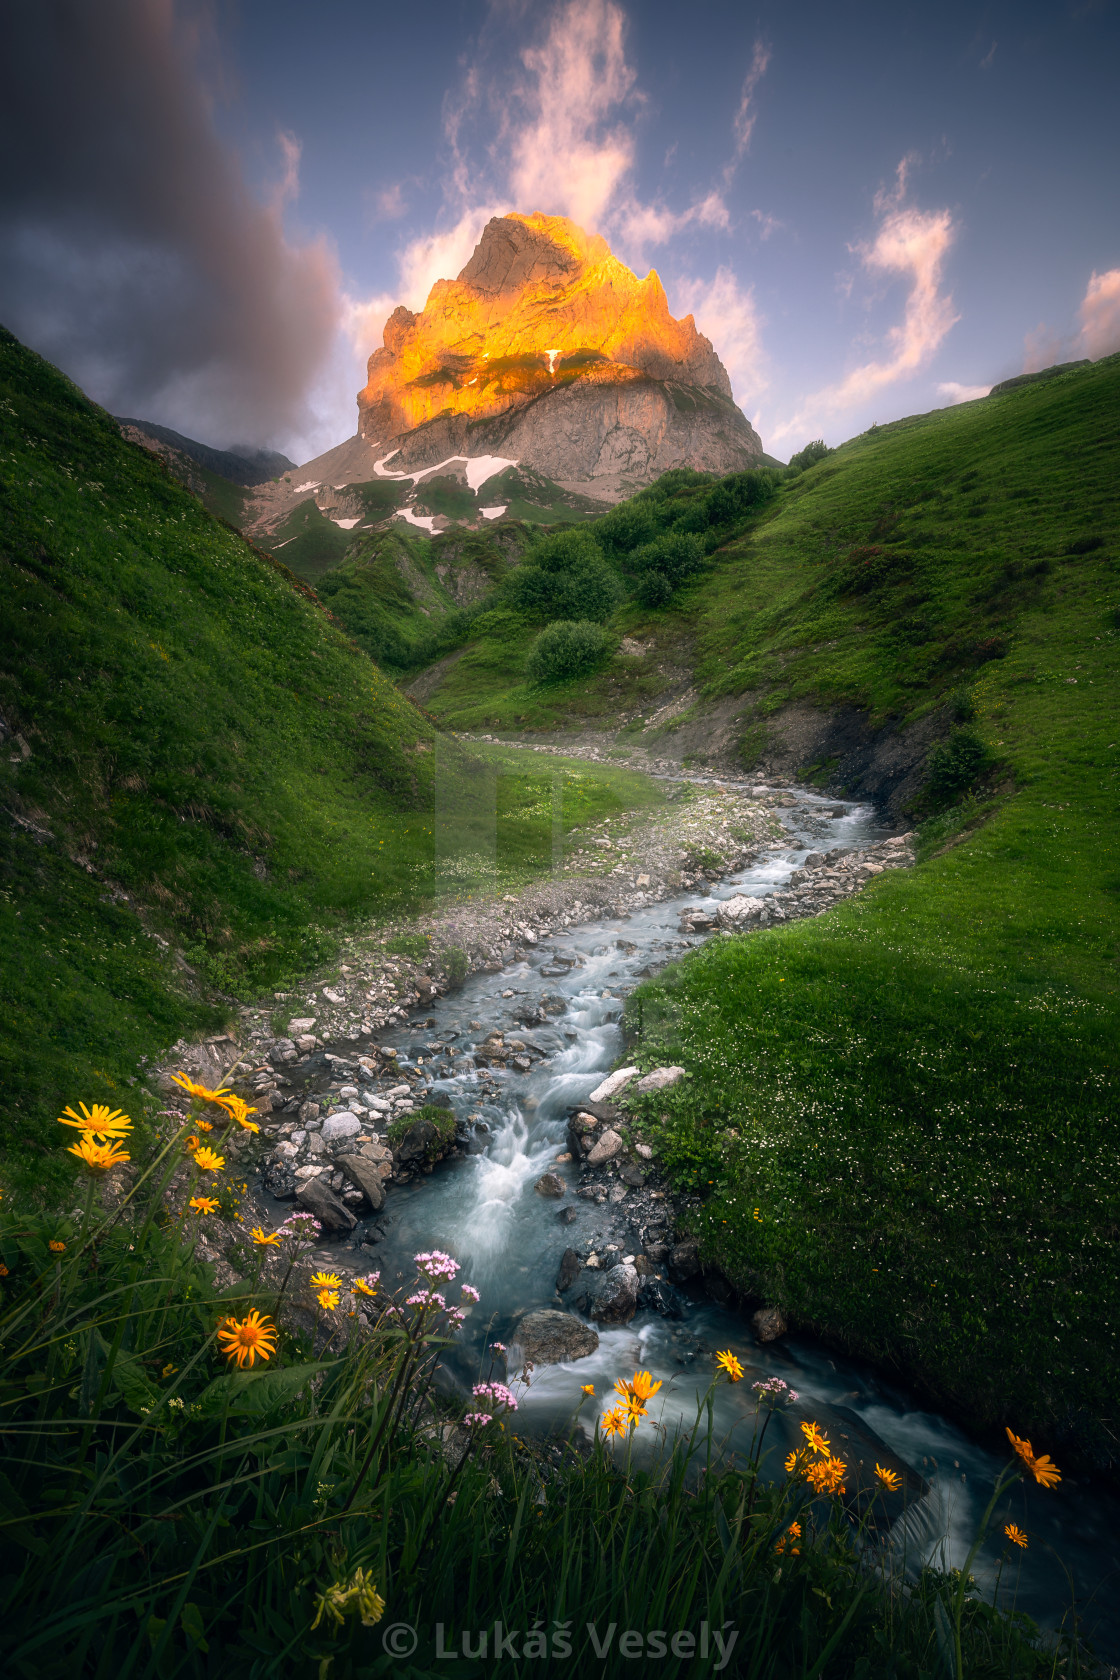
x: 740, y: 911
x: 318, y: 1198
x: 337, y: 1127
x: 420, y: 1141
x: 613, y: 1084
x: 616, y: 1296
x: 606, y: 1149
x: 660, y: 1079
x: 553, y: 1338
x: 684, y: 1260
x: 550, y: 1184
x: 768, y: 1324
x: 363, y: 1172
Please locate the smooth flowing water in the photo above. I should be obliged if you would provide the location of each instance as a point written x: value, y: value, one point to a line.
x: 484, y: 1210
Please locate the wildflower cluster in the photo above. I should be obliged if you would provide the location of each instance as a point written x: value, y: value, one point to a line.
x: 1041, y: 1466
x: 356, y: 1596
x: 824, y: 1473
x: 634, y: 1397
x: 773, y: 1392
x: 103, y: 1130
x: 495, y: 1394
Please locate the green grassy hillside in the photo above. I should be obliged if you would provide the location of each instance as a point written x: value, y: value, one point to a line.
x: 902, y: 1116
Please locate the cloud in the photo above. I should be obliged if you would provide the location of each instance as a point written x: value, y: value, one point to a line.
x: 133, y: 253
x: 727, y: 314
x: 911, y: 244
x: 746, y: 116
x: 958, y: 393
x: 569, y: 156
x: 1100, y: 315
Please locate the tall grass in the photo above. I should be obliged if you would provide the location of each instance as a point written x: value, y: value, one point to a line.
x: 324, y: 1512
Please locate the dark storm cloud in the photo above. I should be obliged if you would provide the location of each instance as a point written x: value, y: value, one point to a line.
x: 131, y: 252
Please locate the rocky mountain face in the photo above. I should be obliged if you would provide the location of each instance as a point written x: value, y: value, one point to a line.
x: 549, y: 352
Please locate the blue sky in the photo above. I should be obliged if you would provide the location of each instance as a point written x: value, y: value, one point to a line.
x: 872, y: 210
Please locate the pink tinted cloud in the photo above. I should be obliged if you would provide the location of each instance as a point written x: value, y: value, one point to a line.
x: 567, y: 157
x: 746, y: 115
x: 1100, y: 315
x: 726, y: 313
x: 911, y: 244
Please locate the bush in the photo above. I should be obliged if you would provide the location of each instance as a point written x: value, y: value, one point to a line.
x: 654, y: 590
x: 627, y: 526
x: 455, y: 964
x: 955, y: 765
x: 809, y: 456
x: 566, y: 577
x: 566, y: 649
x: 414, y: 945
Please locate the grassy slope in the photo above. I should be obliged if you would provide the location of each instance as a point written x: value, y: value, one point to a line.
x: 902, y: 1117
x: 196, y: 759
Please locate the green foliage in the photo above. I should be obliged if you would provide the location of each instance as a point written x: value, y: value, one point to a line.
x: 166, y: 1514
x: 456, y: 964
x: 565, y: 577
x: 809, y: 456
x: 955, y: 765
x: 414, y: 945
x: 566, y: 650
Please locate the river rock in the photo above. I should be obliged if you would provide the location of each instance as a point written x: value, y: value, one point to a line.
x: 768, y: 1323
x: 661, y: 1297
x: 316, y: 1195
x: 366, y: 1175
x: 339, y: 1126
x: 684, y: 1260
x: 569, y: 1270
x: 606, y: 1149
x: 613, y: 1084
x: 616, y: 1297
x: 660, y: 1079
x: 632, y: 1175
x: 280, y: 1182
x: 567, y: 1215
x: 740, y: 911
x: 416, y: 1143
x: 549, y: 1184
x: 552, y: 1338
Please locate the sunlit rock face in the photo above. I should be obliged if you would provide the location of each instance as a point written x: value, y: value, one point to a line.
x: 549, y: 350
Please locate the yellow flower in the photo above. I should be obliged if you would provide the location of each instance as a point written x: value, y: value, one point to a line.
x: 238, y: 1109
x: 827, y: 1475
x: 203, y: 1204
x: 325, y: 1280
x: 57, y: 1247
x: 345, y: 1597
x: 635, y: 1410
x: 1015, y: 1534
x: 1042, y: 1467
x: 191, y: 1142
x: 98, y: 1156
x: 816, y: 1440
x: 642, y: 1385
x: 889, y: 1478
x: 361, y: 1287
x: 168, y: 1371
x: 587, y: 1388
x: 266, y: 1239
x: 793, y: 1532
x: 203, y: 1126
x: 248, y: 1338
x: 793, y: 1462
x: 208, y: 1160
x: 4, y: 1272
x: 201, y: 1091
x: 100, y: 1121
x: 613, y: 1423
x: 328, y: 1299
x: 728, y: 1362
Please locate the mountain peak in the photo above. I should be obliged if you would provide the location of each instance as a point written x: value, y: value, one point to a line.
x: 543, y: 311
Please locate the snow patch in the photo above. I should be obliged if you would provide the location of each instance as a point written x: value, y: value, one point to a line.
x: 493, y: 513
x: 347, y: 524
x: 552, y: 355
x: 478, y: 468
x: 425, y: 521
x: 312, y: 484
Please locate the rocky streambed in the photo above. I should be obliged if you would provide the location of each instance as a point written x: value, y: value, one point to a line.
x: 489, y: 1118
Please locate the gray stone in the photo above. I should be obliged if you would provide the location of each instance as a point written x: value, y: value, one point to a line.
x: 606, y: 1149
x: 616, y: 1297
x: 339, y: 1126
x: 768, y: 1323
x: 567, y: 1215
x: 613, y: 1084
x: 660, y: 1079
x: 417, y: 1143
x: 550, y: 1184
x: 684, y: 1260
x: 740, y: 911
x: 569, y: 1270
x: 366, y: 1176
x: 554, y: 1338
x: 318, y: 1198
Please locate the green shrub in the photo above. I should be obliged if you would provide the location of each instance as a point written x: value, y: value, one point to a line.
x: 654, y: 590
x: 566, y: 649
x: 566, y: 577
x: 455, y: 964
x: 955, y: 765
x: 443, y: 1119
x: 809, y: 456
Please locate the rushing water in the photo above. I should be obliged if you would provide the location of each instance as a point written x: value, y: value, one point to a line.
x: 483, y: 1209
